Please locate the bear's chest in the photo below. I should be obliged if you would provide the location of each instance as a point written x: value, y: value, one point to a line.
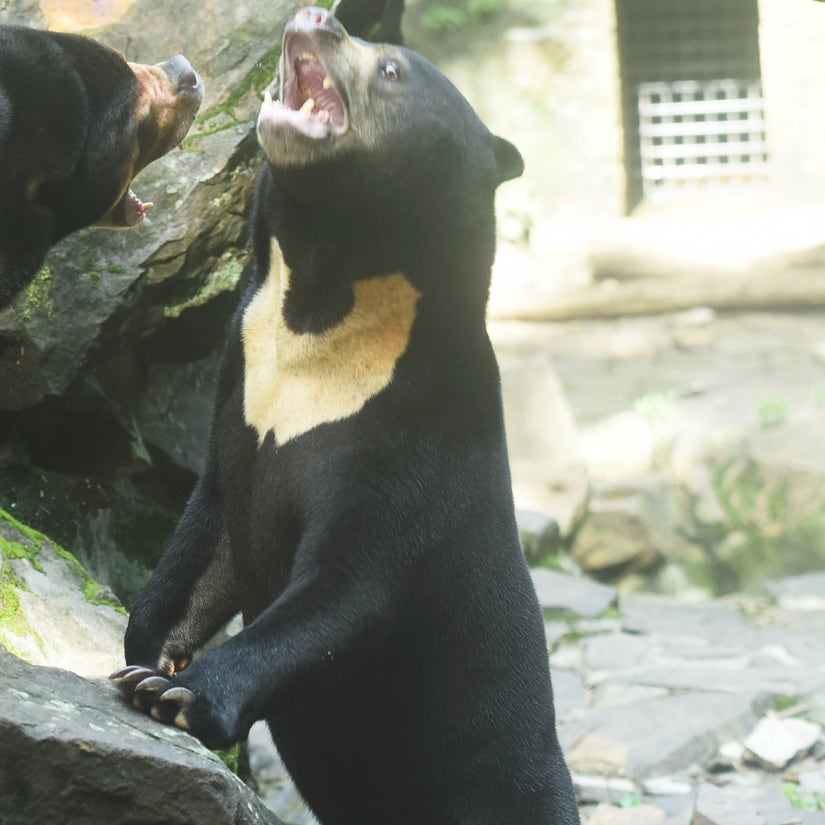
x: 294, y: 382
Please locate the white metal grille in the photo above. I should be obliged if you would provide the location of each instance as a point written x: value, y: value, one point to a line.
x: 701, y: 132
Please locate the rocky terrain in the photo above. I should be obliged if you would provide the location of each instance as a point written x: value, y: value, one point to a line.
x: 692, y: 712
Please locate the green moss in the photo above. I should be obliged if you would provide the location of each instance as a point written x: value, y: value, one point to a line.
x: 767, y: 531
x: 256, y: 81
x: 11, y: 616
x: 37, y: 298
x: 94, y: 276
x: 93, y: 593
x: 232, y: 757
x: 783, y: 703
x: 814, y: 801
x: 17, y: 550
x: 772, y: 411
x: 12, y: 619
x: 223, y: 278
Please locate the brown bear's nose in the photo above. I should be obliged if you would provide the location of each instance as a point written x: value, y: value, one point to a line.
x: 313, y: 17
x: 181, y: 73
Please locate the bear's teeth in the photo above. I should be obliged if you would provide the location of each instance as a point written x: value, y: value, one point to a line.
x: 308, y: 106
x: 327, y: 82
x: 267, y: 97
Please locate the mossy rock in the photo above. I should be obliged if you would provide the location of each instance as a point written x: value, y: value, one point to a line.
x: 51, y: 611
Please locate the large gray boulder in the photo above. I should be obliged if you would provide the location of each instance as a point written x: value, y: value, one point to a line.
x: 72, y: 752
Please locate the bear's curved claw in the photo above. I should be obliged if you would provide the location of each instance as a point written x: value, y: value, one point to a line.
x: 154, y: 694
x: 181, y: 695
x: 126, y: 678
x: 130, y: 673
x: 170, y: 706
x: 154, y: 684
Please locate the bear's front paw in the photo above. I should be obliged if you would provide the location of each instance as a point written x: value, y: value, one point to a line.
x: 174, y: 704
x: 154, y: 694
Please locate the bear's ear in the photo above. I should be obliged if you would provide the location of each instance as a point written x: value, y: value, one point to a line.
x: 508, y: 159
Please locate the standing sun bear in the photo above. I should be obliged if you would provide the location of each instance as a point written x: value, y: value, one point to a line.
x: 356, y: 503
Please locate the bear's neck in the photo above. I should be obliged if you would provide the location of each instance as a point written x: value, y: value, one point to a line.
x: 298, y: 377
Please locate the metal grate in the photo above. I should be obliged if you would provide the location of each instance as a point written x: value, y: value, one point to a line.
x: 693, y: 132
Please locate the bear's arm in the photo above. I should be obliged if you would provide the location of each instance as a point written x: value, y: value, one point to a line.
x: 335, y: 613
x: 192, y: 592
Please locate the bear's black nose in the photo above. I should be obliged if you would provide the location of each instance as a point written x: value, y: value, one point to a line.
x: 313, y: 17
x: 181, y: 73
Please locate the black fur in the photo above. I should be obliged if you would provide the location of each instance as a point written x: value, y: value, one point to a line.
x: 393, y: 640
x: 72, y: 136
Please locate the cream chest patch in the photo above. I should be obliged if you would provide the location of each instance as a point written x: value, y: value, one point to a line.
x: 295, y: 382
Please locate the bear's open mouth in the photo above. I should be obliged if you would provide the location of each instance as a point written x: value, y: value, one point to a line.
x: 309, y: 87
x: 310, y: 100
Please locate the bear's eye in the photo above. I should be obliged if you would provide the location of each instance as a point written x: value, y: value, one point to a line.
x: 389, y: 70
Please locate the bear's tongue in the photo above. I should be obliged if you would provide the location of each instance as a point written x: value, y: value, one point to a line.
x: 312, y: 92
x: 128, y: 211
x: 134, y: 209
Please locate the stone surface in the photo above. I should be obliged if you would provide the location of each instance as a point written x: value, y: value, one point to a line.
x: 48, y: 609
x: 630, y: 743
x: 540, y: 535
x: 672, y: 693
x: 547, y: 464
x: 707, y: 429
x: 576, y: 595
x: 800, y: 592
x: 614, y: 540
x: 72, y: 752
x: 812, y: 781
x: 774, y: 742
x: 636, y: 815
x: 752, y: 803
x: 614, y: 651
x: 274, y: 784
x: 714, y: 806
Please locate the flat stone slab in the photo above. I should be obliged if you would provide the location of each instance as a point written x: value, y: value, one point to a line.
x: 659, y: 736
x: 717, y: 622
x: 638, y: 815
x: 775, y: 681
x: 799, y: 592
x: 775, y: 742
x: 614, y: 651
x: 734, y: 805
x: 571, y: 594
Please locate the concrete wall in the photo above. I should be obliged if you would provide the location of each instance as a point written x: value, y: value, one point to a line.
x: 792, y: 37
